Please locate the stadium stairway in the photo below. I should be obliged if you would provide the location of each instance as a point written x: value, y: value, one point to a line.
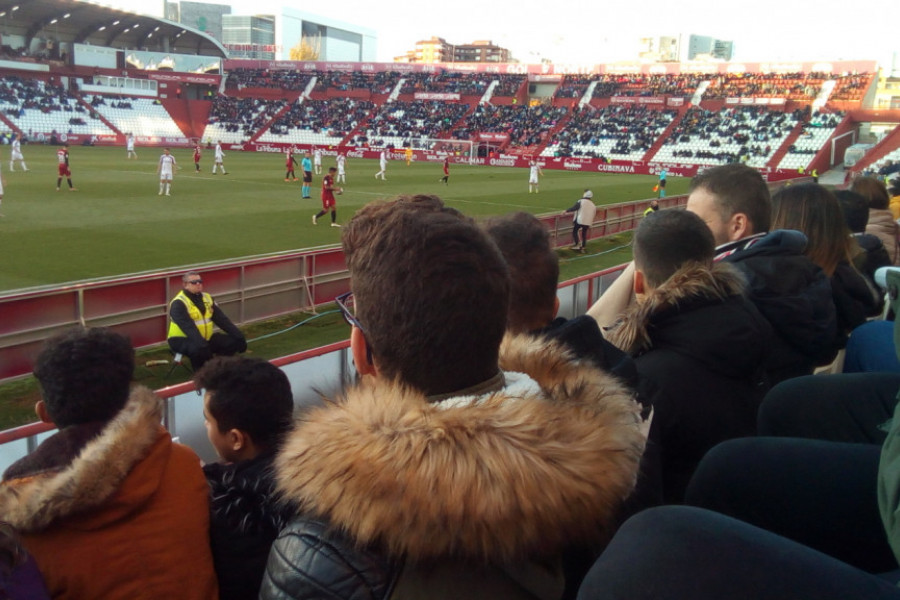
x: 661, y: 139
x: 180, y: 113
x: 782, y: 150
x: 98, y: 114
x: 550, y: 135
x: 275, y: 117
x: 10, y: 124
x: 198, y: 113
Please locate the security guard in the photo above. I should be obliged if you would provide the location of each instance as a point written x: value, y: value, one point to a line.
x: 192, y: 314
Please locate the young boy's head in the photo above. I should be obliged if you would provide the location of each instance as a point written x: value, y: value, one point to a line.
x: 667, y: 241
x: 533, y: 269
x: 247, y: 405
x: 85, y: 376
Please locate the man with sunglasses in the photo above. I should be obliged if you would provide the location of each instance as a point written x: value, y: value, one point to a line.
x: 457, y: 467
x: 192, y: 314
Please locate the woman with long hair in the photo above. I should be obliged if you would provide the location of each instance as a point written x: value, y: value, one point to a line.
x: 815, y: 211
x: 881, y: 220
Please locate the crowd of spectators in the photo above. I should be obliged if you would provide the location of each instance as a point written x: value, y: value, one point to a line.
x: 125, y: 103
x: 336, y: 117
x: 792, y: 86
x: 525, y: 125
x: 382, y: 82
x: 632, y: 85
x: 245, y: 115
x: 509, y: 85
x: 754, y: 129
x: 633, y: 127
x: 413, y: 119
x: 21, y: 95
x: 447, y: 82
x: 266, y: 78
x: 851, y: 86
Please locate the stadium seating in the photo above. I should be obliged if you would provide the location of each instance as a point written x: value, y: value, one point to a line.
x: 398, y: 122
x: 318, y: 122
x: 33, y: 105
x: 140, y: 116
x: 816, y: 134
x: 624, y: 132
x: 232, y: 120
x: 748, y: 133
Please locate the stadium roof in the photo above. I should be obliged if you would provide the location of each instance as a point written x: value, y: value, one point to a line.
x: 84, y: 22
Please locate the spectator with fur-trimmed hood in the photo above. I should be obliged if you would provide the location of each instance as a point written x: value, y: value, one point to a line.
x: 699, y: 345
x: 457, y: 468
x: 109, y: 506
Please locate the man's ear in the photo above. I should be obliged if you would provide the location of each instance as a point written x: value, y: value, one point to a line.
x: 40, y: 409
x: 555, y: 306
x: 739, y: 227
x: 237, y: 439
x: 362, y: 357
x: 639, y: 281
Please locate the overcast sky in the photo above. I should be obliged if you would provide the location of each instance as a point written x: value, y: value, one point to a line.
x: 588, y: 31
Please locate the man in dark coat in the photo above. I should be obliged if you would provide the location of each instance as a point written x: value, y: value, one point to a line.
x: 698, y: 343
x: 791, y: 292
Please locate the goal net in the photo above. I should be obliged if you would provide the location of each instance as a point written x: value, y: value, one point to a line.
x: 463, y: 149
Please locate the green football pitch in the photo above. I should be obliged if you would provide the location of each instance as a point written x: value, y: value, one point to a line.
x: 116, y: 223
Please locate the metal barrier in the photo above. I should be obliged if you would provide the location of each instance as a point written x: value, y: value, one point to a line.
x: 313, y: 374
x: 248, y: 290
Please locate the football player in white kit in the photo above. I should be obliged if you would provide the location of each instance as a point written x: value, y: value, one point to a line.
x: 129, y: 147
x: 382, y: 162
x: 16, y: 154
x: 166, y: 170
x: 341, y: 165
x: 317, y: 161
x: 219, y: 159
x: 533, y: 177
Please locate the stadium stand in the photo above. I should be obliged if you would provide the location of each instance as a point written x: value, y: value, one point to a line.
x: 814, y: 136
x: 318, y: 122
x: 232, y: 119
x: 33, y: 105
x: 748, y: 133
x: 140, y: 116
x: 396, y: 123
x: 619, y: 131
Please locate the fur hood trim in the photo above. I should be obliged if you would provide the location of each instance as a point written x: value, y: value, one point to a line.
x: 31, y: 503
x: 498, y: 478
x: 690, y: 283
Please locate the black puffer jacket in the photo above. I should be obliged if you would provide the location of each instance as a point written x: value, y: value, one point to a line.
x: 794, y: 295
x: 700, y: 348
x: 245, y: 518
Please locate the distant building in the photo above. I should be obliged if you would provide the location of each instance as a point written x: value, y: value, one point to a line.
x: 701, y: 46
x: 272, y: 36
x: 661, y: 49
x: 199, y: 15
x: 437, y: 50
x: 335, y: 40
x: 250, y: 36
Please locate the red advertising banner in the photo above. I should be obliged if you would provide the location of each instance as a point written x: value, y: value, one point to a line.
x: 585, y: 165
x: 552, y: 72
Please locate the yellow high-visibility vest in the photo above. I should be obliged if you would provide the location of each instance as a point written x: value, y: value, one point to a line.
x: 203, y: 320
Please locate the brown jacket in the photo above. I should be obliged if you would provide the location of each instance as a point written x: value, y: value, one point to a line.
x: 882, y: 224
x: 126, y: 515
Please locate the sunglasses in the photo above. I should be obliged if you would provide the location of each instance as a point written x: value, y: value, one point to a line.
x: 195, y: 282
